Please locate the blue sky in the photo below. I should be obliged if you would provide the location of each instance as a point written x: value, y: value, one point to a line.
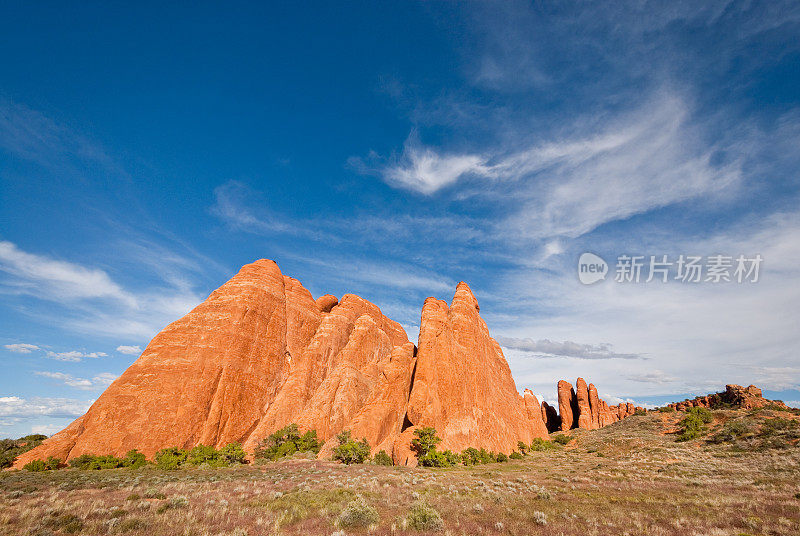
x: 392, y: 150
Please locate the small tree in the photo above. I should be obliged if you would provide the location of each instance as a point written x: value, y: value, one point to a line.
x: 523, y: 448
x: 286, y: 442
x: 381, y: 458
x: 170, y: 458
x: 135, y: 459
x: 232, y: 454
x: 425, y: 441
x: 350, y: 451
x: 203, y: 454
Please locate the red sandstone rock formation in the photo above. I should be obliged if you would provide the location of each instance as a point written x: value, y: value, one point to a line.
x: 463, y: 385
x: 567, y: 405
x: 261, y: 353
x: 550, y: 417
x: 258, y: 354
x: 734, y: 396
x: 583, y: 408
x: 584, y: 416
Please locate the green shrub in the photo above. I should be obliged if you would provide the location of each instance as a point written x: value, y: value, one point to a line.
x: 502, y: 457
x: 522, y: 447
x: 350, y: 451
x: 540, y: 444
x: 135, y: 459
x: 424, y: 517
x: 358, y: 513
x: 381, y: 458
x: 694, y: 424
x: 32, y: 438
x: 434, y: 458
x: 203, y: 454
x: 50, y: 464
x: 286, y: 442
x: 666, y: 409
x: 561, y: 439
x: 470, y: 456
x: 35, y: 466
x: 170, y: 458
x: 233, y: 453
x: 640, y: 411
x: 733, y: 431
x: 425, y: 441
x: 516, y: 456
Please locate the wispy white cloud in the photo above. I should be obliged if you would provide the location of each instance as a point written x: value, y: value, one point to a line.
x: 570, y: 186
x: 546, y: 348
x: 653, y: 376
x: 19, y: 407
x: 74, y: 355
x: 129, y: 350
x: 95, y: 302
x: 46, y: 429
x: 21, y: 348
x: 38, y: 275
x: 425, y: 170
x: 100, y: 381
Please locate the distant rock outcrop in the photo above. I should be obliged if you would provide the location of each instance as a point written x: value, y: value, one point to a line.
x: 583, y: 408
x: 734, y: 396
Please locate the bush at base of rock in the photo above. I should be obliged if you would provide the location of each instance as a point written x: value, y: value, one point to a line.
x: 49, y: 464
x: 382, y: 458
x: 350, y: 451
x: 561, y: 439
x: 540, y: 444
x: 286, y: 442
x: 425, y: 441
x: 516, y: 456
x: 170, y: 458
x: 434, y: 458
x: 133, y: 459
x: 230, y: 454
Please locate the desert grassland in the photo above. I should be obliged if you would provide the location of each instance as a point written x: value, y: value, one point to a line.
x: 630, y: 478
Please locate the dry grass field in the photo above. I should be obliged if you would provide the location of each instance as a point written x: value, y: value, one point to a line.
x: 630, y: 478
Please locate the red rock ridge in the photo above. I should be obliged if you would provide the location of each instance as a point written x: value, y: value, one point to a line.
x: 584, y: 409
x: 734, y: 396
x: 261, y: 353
x: 258, y: 354
x: 463, y: 385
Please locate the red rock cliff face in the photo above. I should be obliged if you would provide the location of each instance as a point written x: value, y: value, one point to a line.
x: 261, y: 353
x: 258, y: 354
x: 463, y: 385
x: 583, y: 408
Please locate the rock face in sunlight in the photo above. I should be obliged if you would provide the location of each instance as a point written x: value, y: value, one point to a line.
x: 257, y: 355
x: 583, y: 408
x: 261, y: 353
